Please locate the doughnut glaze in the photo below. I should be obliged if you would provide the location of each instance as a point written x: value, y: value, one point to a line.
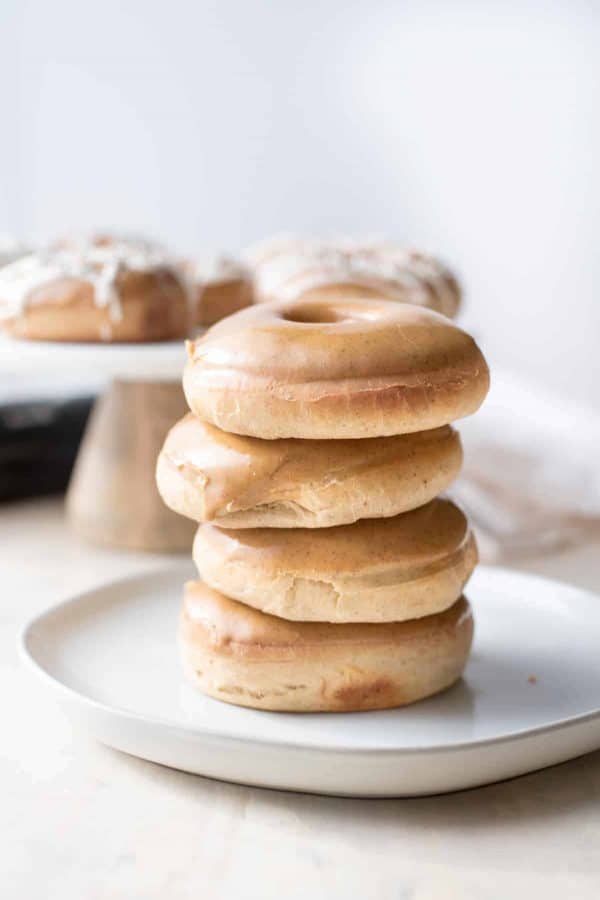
x: 243, y: 482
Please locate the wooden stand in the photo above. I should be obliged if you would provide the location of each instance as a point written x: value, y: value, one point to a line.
x: 112, y: 497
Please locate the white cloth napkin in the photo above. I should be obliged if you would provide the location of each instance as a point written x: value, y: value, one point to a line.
x: 531, y: 479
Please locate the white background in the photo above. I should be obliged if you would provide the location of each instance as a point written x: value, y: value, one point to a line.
x: 469, y: 127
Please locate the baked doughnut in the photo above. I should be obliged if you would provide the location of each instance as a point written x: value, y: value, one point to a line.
x: 375, y: 570
x: 220, y: 286
x: 353, y: 268
x: 246, y: 657
x: 244, y: 482
x: 334, y: 369
x: 113, y: 292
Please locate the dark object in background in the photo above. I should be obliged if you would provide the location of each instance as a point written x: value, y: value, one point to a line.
x: 39, y: 441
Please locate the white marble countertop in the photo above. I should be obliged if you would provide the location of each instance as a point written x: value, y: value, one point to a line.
x: 83, y: 822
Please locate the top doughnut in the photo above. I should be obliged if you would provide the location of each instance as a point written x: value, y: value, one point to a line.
x: 346, y: 267
x: 334, y: 369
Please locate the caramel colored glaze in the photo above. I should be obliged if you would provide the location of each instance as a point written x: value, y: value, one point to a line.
x: 315, y: 341
x: 326, y: 369
x: 231, y: 628
x: 212, y: 475
x: 409, y: 545
x: 376, y: 570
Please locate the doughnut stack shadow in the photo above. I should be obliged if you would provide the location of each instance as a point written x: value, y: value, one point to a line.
x: 319, y: 439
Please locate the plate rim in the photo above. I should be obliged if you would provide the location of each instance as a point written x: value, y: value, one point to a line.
x: 210, y: 734
x: 145, y: 360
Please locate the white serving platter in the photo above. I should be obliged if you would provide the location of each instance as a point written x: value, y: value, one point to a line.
x: 530, y: 697
x: 160, y: 361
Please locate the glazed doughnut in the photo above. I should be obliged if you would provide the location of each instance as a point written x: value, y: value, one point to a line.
x: 246, y: 657
x: 333, y: 270
x: 244, y: 482
x: 334, y: 369
x: 376, y: 570
x: 220, y: 285
x: 115, y: 292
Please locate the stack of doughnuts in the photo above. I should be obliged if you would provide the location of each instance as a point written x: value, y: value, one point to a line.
x: 318, y: 441
x: 291, y: 268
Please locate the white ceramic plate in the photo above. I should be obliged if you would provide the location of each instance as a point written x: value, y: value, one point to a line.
x: 530, y: 696
x: 159, y: 361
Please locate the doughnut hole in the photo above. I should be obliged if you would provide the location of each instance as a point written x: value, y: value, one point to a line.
x: 320, y: 313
